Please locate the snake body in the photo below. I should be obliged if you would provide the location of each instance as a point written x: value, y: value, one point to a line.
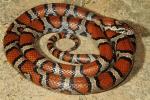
x: 91, y: 73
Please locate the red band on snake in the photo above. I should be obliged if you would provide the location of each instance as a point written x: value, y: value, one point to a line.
x: 93, y: 73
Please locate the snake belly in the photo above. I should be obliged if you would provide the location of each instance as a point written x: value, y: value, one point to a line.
x: 93, y: 73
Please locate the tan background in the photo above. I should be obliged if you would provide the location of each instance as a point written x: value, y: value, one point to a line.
x: 135, y: 12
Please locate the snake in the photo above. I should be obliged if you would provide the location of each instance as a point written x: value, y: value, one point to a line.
x: 84, y: 73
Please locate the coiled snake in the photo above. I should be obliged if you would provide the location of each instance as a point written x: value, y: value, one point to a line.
x: 90, y: 73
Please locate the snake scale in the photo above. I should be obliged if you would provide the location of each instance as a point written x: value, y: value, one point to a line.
x: 89, y: 73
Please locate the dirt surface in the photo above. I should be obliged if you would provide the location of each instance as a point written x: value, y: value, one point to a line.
x: 135, y: 12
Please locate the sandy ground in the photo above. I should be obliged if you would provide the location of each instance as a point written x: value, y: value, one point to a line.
x: 135, y: 12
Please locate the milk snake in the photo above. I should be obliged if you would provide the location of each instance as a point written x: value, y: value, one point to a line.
x: 91, y: 73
